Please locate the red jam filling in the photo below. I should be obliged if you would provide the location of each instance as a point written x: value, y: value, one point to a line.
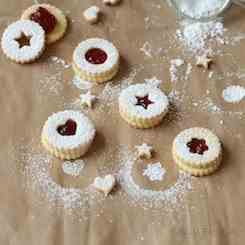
x: 198, y: 146
x: 143, y: 101
x: 96, y: 56
x: 68, y: 129
x: 45, y: 19
x: 23, y: 40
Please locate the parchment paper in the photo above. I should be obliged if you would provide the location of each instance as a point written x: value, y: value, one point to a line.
x: 211, y: 213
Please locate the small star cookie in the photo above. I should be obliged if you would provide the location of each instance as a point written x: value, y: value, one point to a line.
x: 87, y: 99
x: 111, y: 2
x: 91, y: 14
x: 204, y: 61
x: 144, y: 151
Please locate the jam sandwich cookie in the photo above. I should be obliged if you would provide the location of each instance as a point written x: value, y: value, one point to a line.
x: 23, y: 41
x: 68, y: 134
x: 197, y: 151
x: 142, y: 105
x: 52, y: 20
x: 96, y: 60
x: 105, y: 184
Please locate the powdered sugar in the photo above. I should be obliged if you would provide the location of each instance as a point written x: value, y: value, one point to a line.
x: 233, y: 94
x: 174, y: 65
x: 73, y: 168
x: 198, y: 35
x: 154, y: 171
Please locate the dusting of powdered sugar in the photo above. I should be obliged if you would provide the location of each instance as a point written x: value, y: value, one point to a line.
x: 73, y: 168
x: 154, y: 172
x: 201, y: 9
x: 198, y: 36
x: 233, y: 94
x: 170, y: 198
x: 81, y: 84
x: 153, y: 82
x: 173, y: 70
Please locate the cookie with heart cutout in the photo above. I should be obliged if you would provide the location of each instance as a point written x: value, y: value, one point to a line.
x: 23, y: 41
x: 105, y: 184
x: 197, y: 151
x: 68, y: 134
x: 52, y: 20
x: 96, y: 60
x: 143, y: 106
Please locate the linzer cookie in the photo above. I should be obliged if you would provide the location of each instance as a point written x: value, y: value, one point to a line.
x: 142, y: 105
x: 68, y: 134
x: 197, y: 151
x: 52, y: 20
x: 23, y: 41
x: 96, y: 60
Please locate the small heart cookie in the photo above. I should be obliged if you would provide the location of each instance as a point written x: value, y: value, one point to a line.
x: 91, y: 14
x: 105, y: 184
x: 111, y: 2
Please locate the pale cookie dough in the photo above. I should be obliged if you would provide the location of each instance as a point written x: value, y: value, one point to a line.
x: 143, y: 106
x: 92, y: 14
x: 87, y: 99
x: 204, y: 61
x: 197, y: 151
x: 68, y: 134
x: 52, y: 19
x: 111, y: 2
x: 23, y: 41
x: 96, y: 60
x: 105, y: 184
x: 144, y: 151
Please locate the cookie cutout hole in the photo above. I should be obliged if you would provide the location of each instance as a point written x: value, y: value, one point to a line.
x: 45, y: 19
x: 23, y: 40
x: 143, y: 101
x: 197, y: 146
x: 68, y: 129
x: 96, y: 56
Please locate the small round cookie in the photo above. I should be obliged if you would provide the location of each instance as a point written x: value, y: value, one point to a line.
x: 197, y: 151
x: 143, y: 106
x: 96, y: 60
x: 23, y: 41
x: 52, y: 20
x: 68, y: 134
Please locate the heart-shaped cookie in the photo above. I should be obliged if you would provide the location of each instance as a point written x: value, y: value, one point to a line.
x: 67, y: 129
x: 105, y: 184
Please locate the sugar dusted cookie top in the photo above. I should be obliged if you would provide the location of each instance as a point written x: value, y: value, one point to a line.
x: 143, y: 100
x: 92, y: 14
x: 197, y: 146
x: 23, y: 41
x: 68, y: 129
x: 96, y: 56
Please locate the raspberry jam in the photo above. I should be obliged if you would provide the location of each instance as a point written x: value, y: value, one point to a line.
x: 44, y: 18
x: 143, y: 101
x: 198, y: 146
x: 23, y: 40
x: 68, y: 129
x: 96, y: 56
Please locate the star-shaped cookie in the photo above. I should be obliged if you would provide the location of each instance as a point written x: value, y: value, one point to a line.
x: 144, y: 151
x: 87, y: 99
x: 204, y: 61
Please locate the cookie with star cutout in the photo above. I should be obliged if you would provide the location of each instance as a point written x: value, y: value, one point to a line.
x: 68, y: 134
x: 197, y: 151
x: 143, y: 106
x: 96, y: 60
x: 23, y: 41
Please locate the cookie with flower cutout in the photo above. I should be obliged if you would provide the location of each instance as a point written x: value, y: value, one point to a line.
x: 68, y: 134
x: 52, y: 20
x: 96, y: 60
x: 143, y: 106
x: 23, y: 41
x: 197, y: 151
